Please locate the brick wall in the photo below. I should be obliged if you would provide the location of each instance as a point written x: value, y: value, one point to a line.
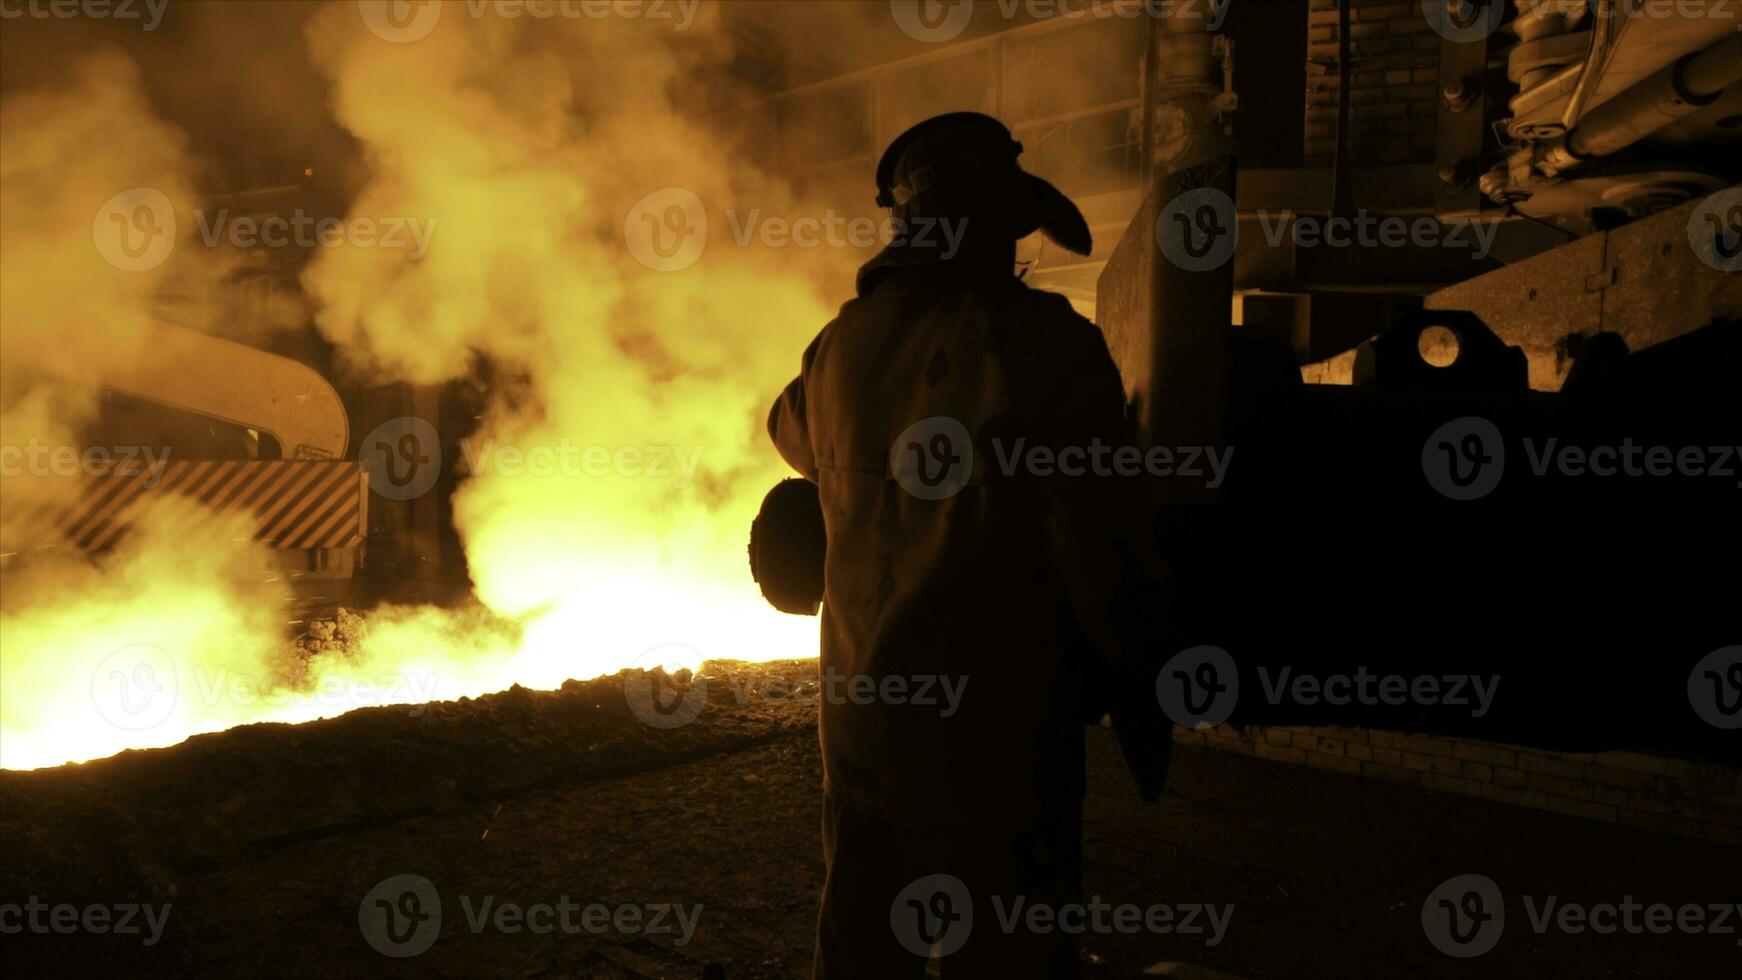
x: 1656, y: 793
x: 1394, y: 90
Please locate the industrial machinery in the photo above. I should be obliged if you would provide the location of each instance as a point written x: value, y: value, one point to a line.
x: 1435, y: 511
x: 1413, y: 418
x: 239, y: 430
x: 1612, y: 112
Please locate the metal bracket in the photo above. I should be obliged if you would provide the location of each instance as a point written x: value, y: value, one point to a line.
x: 1596, y: 282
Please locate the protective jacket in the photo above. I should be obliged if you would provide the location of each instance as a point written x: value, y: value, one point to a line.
x: 969, y: 620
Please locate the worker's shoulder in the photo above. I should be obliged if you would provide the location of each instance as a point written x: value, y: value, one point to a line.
x: 853, y: 313
x: 1056, y: 306
x: 1051, y: 317
x: 1011, y: 302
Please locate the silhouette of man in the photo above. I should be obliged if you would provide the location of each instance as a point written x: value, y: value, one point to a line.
x: 970, y: 584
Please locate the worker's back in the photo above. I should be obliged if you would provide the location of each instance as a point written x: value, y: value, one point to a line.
x: 951, y: 680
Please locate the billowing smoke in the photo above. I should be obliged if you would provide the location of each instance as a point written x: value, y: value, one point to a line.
x: 562, y: 171
x: 69, y: 316
x: 610, y: 497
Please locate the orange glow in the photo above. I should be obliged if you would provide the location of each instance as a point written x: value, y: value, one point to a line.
x: 526, y: 179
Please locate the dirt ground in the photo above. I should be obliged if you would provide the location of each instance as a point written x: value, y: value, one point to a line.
x: 1326, y: 874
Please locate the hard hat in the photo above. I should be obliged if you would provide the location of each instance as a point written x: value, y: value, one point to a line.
x: 788, y: 545
x: 963, y: 165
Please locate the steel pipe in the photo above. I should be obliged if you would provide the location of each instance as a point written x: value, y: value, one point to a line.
x: 1676, y: 91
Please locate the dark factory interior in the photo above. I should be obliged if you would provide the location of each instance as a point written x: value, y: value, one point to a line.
x: 862, y: 489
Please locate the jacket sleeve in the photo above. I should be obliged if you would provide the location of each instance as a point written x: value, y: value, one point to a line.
x: 1100, y: 527
x: 1101, y: 537
x: 788, y: 423
x: 1101, y: 524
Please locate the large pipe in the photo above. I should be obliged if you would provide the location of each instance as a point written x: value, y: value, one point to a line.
x: 1340, y: 164
x: 238, y: 384
x: 1185, y: 308
x: 1676, y: 91
x: 1603, y: 36
x: 1183, y: 74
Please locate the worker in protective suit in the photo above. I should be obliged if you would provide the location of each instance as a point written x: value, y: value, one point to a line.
x: 975, y: 611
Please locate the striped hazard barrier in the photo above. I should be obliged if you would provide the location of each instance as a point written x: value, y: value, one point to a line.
x: 293, y: 503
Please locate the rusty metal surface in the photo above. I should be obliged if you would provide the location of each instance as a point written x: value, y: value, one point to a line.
x: 1535, y: 303
x: 1642, y: 281
x: 1661, y: 288
x: 1121, y: 304
x: 1166, y: 325
x: 1460, y: 127
x: 1190, y: 314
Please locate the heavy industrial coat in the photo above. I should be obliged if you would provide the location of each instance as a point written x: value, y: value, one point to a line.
x: 1003, y: 591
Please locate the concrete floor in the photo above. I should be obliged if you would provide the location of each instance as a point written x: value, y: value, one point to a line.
x: 1327, y: 876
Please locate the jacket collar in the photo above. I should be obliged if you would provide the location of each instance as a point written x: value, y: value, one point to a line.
x: 981, y: 263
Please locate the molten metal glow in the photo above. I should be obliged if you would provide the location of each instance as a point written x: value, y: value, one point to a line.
x: 523, y: 146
